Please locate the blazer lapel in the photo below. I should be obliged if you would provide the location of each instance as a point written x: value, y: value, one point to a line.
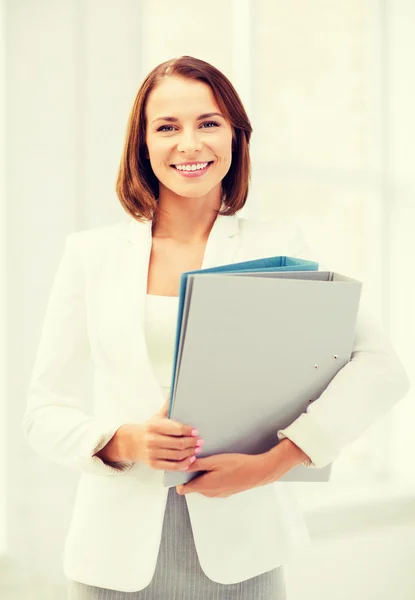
x: 223, y: 242
x: 221, y: 248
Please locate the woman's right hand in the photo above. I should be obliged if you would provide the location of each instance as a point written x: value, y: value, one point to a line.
x: 164, y: 444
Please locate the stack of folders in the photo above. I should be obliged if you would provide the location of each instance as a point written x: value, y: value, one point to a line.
x: 256, y: 342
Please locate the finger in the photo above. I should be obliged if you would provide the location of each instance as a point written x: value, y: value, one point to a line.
x: 172, y: 465
x: 175, y: 443
x: 174, y: 428
x: 191, y: 486
x: 202, y: 464
x: 185, y: 489
x: 169, y: 454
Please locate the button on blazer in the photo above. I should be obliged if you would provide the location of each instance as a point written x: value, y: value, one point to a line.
x: 95, y: 322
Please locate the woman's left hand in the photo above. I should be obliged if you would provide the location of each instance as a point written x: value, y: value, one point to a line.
x: 227, y: 474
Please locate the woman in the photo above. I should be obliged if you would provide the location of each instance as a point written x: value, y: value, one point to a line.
x: 227, y: 533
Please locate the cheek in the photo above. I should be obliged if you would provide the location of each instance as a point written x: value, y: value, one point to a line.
x: 224, y: 149
x: 225, y: 157
x: 157, y: 150
x: 158, y: 158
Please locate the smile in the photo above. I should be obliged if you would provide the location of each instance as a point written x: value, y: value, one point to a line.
x: 193, y: 171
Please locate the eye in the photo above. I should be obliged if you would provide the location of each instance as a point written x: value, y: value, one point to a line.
x: 163, y: 127
x: 211, y: 122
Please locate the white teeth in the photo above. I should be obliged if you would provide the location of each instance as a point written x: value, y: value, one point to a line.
x: 191, y: 167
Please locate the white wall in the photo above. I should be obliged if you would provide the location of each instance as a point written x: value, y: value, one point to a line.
x: 3, y: 541
x: 400, y: 60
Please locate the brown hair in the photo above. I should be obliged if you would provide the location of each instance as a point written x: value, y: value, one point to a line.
x: 137, y: 186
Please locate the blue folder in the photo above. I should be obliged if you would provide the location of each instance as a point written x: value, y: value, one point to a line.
x: 261, y: 265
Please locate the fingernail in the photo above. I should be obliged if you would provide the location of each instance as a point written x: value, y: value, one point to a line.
x: 192, y: 459
x: 199, y: 442
x: 195, y: 432
x: 197, y: 450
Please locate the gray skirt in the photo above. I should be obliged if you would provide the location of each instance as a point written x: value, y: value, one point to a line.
x: 178, y: 574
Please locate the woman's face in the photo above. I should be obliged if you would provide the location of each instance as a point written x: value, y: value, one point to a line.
x: 185, y: 137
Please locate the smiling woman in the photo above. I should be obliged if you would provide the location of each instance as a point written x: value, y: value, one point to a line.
x: 180, y: 168
x: 185, y: 113
x: 190, y: 143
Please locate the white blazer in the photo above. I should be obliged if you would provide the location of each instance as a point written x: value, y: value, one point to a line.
x: 95, y: 318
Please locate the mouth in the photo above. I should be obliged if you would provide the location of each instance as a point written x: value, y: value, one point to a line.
x: 192, y: 172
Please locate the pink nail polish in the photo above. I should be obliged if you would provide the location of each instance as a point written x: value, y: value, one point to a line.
x: 192, y: 460
x: 197, y: 450
x: 195, y: 432
x: 199, y: 443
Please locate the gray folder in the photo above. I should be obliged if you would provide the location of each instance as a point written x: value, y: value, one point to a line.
x: 254, y: 350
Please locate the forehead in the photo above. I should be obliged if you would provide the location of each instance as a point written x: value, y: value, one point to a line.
x: 176, y: 96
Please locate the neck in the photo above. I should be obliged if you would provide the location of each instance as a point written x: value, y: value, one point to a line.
x: 184, y: 222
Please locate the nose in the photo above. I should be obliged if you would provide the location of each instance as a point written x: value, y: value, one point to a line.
x: 189, y: 142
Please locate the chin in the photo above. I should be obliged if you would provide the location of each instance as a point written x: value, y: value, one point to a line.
x: 186, y: 193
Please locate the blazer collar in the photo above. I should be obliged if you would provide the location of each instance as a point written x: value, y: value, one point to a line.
x: 220, y: 246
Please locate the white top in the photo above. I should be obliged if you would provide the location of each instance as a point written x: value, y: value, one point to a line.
x: 160, y: 331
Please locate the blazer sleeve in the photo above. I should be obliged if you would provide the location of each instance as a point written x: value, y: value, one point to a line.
x: 365, y: 389
x: 54, y: 421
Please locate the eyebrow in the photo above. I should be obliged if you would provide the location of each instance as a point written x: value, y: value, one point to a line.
x: 174, y: 119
